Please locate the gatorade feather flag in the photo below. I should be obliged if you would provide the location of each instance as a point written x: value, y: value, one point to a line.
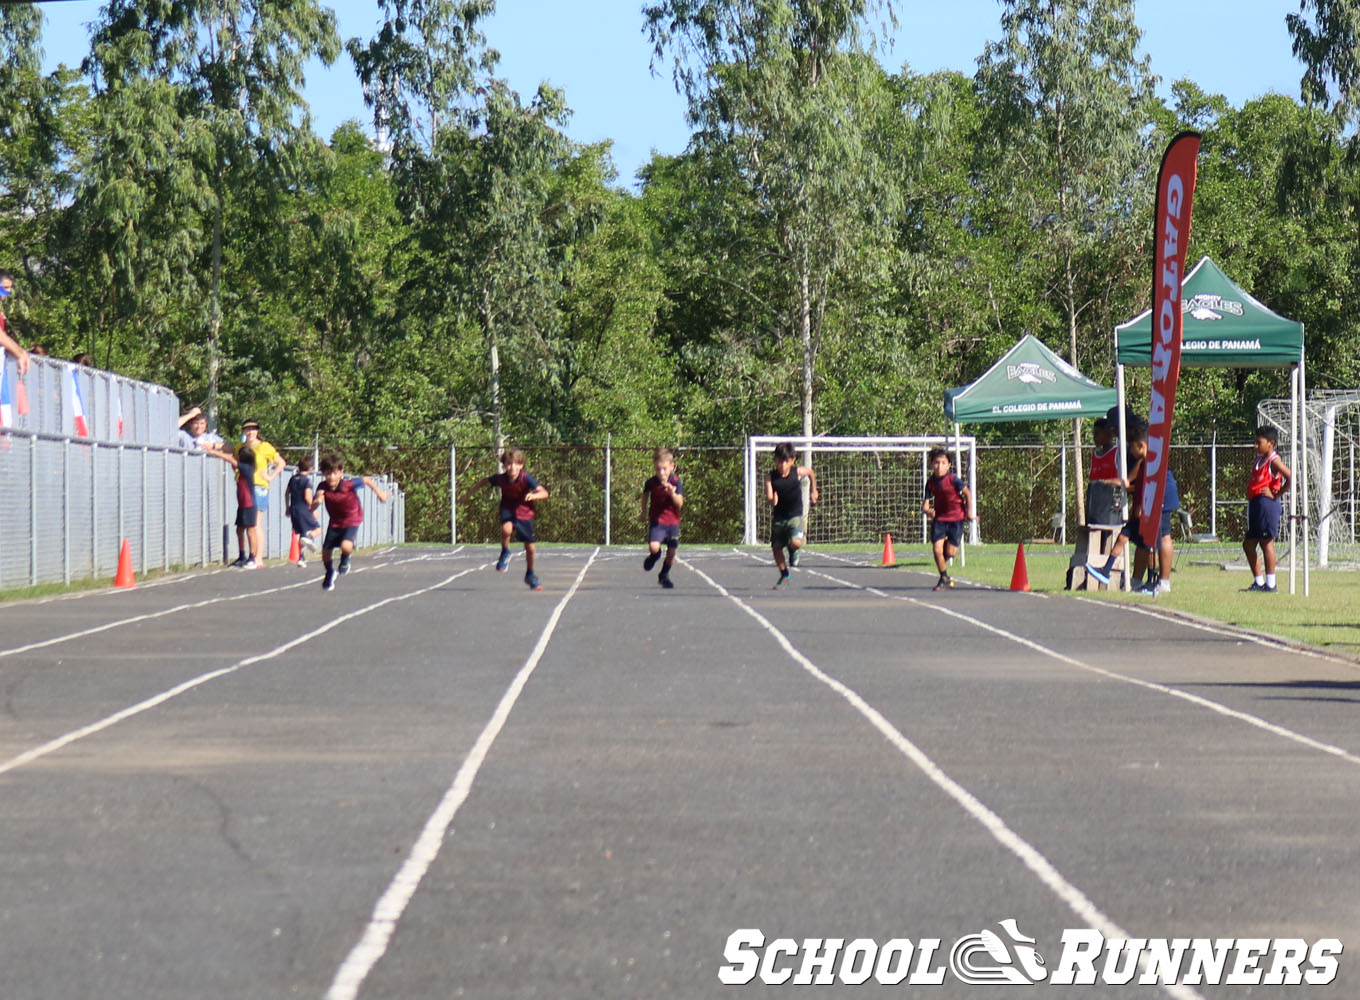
x: 6, y: 401
x: 1175, y: 199
x: 77, y: 404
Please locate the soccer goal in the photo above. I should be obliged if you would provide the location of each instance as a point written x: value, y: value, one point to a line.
x: 868, y: 486
x: 1333, y: 435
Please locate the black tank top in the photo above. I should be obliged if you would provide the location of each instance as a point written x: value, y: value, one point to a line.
x: 788, y: 493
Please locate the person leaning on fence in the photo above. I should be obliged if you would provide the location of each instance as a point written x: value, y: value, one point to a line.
x: 247, y: 514
x: 298, y: 507
x: 8, y: 343
x: 268, y: 464
x: 662, y: 501
x: 194, y: 433
x: 1268, y: 478
x: 519, y: 492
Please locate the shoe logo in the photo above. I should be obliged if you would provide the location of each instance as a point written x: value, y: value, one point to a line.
x: 987, y: 959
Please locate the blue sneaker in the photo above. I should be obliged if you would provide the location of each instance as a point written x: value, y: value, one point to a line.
x: 531, y: 581
x: 344, y: 565
x: 783, y: 579
x: 329, y: 582
x: 503, y: 563
x: 1098, y: 575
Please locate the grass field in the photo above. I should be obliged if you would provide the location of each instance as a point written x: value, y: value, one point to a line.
x: 1329, y: 618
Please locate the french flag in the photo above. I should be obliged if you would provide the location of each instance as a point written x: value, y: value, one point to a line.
x: 117, y: 409
x: 6, y: 402
x: 77, y: 404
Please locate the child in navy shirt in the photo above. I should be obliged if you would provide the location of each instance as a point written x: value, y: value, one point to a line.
x: 662, y: 500
x: 519, y: 492
x: 299, y: 507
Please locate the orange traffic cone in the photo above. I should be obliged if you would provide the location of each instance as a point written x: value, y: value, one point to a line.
x: 889, y: 557
x: 1020, y: 577
x: 295, y: 549
x: 124, y: 577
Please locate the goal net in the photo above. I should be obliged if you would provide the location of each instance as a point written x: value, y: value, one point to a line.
x: 868, y: 486
x: 1330, y: 451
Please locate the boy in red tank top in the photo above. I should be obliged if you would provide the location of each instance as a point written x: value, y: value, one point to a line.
x: 1266, y: 480
x: 949, y: 505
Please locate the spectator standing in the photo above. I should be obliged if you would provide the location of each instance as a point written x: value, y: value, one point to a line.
x: 268, y: 464
x: 6, y: 341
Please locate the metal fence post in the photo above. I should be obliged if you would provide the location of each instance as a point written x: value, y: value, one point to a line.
x: 33, y: 511
x: 94, y: 509
x: 453, y: 495
x: 608, y: 454
x: 66, y: 510
x: 1213, y: 485
x: 142, y: 555
x: 121, y: 528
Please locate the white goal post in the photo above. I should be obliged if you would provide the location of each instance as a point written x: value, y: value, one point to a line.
x: 867, y: 485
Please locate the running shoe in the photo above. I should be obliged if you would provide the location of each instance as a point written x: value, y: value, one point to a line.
x: 793, y: 557
x: 240, y: 561
x: 650, y: 561
x: 1097, y: 574
x: 503, y: 563
x: 253, y: 564
x: 1268, y: 589
x: 329, y: 582
x: 1255, y: 588
x: 783, y: 579
x: 665, y: 580
x: 1143, y: 590
x: 302, y: 562
x: 308, y: 542
x: 344, y: 565
x: 531, y: 581
x: 944, y: 583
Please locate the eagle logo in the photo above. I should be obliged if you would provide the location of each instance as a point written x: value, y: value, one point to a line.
x: 1204, y: 313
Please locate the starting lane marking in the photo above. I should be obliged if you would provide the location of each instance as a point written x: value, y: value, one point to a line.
x: 1194, y: 699
x: 1077, y: 901
x: 150, y: 615
x: 392, y: 904
x: 52, y: 746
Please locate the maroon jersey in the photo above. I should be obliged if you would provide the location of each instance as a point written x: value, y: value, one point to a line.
x: 948, y: 497
x: 513, y: 492
x: 342, y: 503
x: 1105, y: 466
x: 245, y: 484
x: 662, y: 509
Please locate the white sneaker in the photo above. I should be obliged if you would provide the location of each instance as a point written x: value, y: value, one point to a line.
x: 309, y: 542
x: 1163, y: 586
x: 253, y: 564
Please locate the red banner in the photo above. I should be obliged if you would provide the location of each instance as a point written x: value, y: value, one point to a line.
x: 1175, y: 199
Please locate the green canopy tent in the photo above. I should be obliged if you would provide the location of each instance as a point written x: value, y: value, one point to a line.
x: 1030, y: 382
x: 1225, y: 327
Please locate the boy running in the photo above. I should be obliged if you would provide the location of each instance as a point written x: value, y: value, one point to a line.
x: 1269, y: 477
x: 784, y: 491
x: 949, y: 503
x: 344, y: 510
x: 299, y: 508
x: 662, y: 500
x: 519, y: 492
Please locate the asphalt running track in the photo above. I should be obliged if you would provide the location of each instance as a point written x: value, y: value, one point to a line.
x: 433, y: 782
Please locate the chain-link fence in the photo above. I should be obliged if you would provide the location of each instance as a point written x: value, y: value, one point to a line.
x: 57, y: 398
x: 66, y: 505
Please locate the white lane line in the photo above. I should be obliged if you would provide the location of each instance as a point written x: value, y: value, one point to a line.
x: 150, y: 615
x: 1077, y: 901
x: 52, y: 746
x: 1194, y: 699
x: 392, y: 904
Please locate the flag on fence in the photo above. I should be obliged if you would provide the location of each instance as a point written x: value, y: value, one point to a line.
x: 117, y: 398
x: 82, y: 429
x: 21, y: 396
x: 6, y: 403
x: 1175, y: 199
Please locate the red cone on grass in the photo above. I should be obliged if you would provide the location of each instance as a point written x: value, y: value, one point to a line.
x: 124, y: 577
x: 295, y: 549
x: 1020, y: 576
x: 889, y: 557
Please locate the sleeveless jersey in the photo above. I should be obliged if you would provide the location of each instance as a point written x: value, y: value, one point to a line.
x: 1262, y: 477
x: 948, y: 494
x: 1105, y: 466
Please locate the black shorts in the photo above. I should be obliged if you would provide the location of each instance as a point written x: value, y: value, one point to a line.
x: 334, y: 536
x: 1263, y: 518
x: 247, y: 517
x: 304, y: 523
x: 952, y: 531
x: 1132, y: 533
x: 524, y: 527
x: 664, y: 534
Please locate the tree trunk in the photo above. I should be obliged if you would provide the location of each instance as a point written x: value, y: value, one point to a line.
x: 215, y: 316
x: 489, y: 320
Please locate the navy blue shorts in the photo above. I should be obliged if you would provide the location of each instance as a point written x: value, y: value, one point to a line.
x: 1131, y: 529
x: 1263, y: 518
x: 664, y: 534
x: 247, y: 517
x: 524, y: 527
x: 304, y: 523
x: 334, y: 536
x: 952, y: 531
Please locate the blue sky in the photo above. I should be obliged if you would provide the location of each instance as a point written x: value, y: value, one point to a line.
x: 596, y: 51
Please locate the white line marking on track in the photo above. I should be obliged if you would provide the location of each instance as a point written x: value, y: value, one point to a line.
x: 1213, y: 706
x: 150, y: 615
x: 393, y: 902
x: 52, y: 746
x: 1029, y: 855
